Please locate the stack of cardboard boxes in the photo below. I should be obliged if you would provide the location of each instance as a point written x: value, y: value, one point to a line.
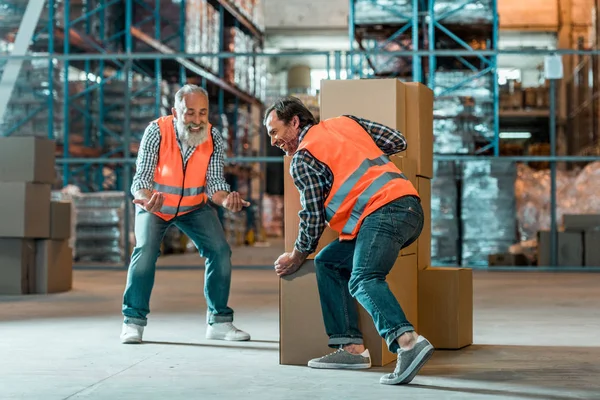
x: 35, y: 256
x: 437, y: 301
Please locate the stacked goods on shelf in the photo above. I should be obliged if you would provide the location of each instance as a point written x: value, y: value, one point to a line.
x: 464, y: 116
x: 34, y: 236
x: 514, y: 97
x: 142, y: 101
x: 474, y: 12
x: 488, y: 209
x: 444, y: 213
x: 99, y: 226
x: 376, y: 12
x: 239, y: 70
x: 252, y: 10
x: 272, y: 217
x: 203, y: 32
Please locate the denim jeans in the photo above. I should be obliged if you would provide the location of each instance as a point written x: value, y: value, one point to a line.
x: 357, y: 269
x: 204, y: 229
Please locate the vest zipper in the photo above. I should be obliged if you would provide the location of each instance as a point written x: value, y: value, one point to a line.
x: 182, y: 184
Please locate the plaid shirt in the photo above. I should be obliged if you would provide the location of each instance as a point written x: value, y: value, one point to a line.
x: 314, y: 179
x: 147, y: 159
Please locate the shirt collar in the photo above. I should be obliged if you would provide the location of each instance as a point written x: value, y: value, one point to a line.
x: 303, y: 132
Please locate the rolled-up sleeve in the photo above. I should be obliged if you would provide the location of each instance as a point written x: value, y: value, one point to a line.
x: 147, y: 158
x: 215, y: 180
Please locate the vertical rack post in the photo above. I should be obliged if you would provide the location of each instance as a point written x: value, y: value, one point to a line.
x: 66, y: 45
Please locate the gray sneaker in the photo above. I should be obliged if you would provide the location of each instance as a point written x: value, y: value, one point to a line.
x: 341, y: 359
x: 409, y: 363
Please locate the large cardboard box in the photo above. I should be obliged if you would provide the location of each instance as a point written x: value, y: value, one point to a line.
x: 424, y: 241
x: 402, y: 281
x: 591, y: 249
x: 291, y: 207
x: 27, y: 159
x: 378, y: 100
x: 17, y: 266
x: 407, y: 107
x: 419, y: 126
x: 302, y: 334
x: 570, y: 249
x: 54, y: 266
x: 25, y: 211
x: 581, y: 222
x: 446, y: 306
x: 60, y: 220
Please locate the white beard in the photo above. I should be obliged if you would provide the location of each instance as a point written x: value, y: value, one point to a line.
x: 190, y: 138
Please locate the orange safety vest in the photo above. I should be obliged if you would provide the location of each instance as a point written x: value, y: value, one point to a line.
x: 183, y: 187
x: 364, y: 178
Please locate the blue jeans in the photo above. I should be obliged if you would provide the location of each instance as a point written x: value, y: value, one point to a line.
x: 357, y: 269
x: 204, y: 229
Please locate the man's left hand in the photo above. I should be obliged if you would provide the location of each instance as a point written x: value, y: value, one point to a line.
x: 288, y: 263
x: 234, y: 202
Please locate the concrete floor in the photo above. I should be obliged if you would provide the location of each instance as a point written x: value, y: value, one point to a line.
x: 536, y: 337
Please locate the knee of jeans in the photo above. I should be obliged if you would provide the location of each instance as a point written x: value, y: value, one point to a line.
x: 359, y: 279
x: 221, y: 249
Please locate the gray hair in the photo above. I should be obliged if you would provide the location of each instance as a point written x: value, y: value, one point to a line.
x: 185, y: 90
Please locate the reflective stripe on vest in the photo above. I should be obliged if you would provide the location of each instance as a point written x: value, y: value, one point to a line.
x: 177, y: 190
x: 339, y: 197
x: 363, y: 199
x: 182, y: 209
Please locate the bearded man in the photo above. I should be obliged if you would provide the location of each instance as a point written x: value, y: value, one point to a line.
x: 179, y: 169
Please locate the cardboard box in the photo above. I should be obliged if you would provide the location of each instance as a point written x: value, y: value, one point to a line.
x: 419, y: 127
x: 402, y: 281
x: 302, y: 334
x: 591, y: 249
x: 570, y: 249
x: 424, y: 241
x: 291, y: 208
x: 27, y: 159
x: 379, y: 100
x: 60, y: 220
x: 581, y: 222
x: 17, y: 266
x: 446, y: 306
x: 407, y: 107
x: 25, y: 211
x: 53, y: 266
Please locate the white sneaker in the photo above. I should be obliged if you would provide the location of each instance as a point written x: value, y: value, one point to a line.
x: 225, y: 331
x: 131, y: 333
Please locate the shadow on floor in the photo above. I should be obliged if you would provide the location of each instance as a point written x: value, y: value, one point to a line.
x: 240, y: 346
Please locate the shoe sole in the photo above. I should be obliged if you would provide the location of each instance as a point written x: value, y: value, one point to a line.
x: 318, y: 365
x: 226, y: 339
x: 413, y: 369
x: 131, y: 341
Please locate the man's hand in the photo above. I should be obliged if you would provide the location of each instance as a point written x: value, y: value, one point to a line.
x: 288, y: 263
x: 152, y: 204
x: 234, y: 202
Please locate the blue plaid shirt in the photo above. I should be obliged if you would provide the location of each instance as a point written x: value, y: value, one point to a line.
x: 313, y: 179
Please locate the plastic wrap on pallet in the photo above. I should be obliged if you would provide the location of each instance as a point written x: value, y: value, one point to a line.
x: 488, y: 209
x: 99, y: 230
x: 382, y: 11
x: 473, y: 12
x: 465, y: 84
x: 444, y: 220
x: 576, y: 194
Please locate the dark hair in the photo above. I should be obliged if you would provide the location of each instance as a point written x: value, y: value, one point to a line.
x: 287, y: 108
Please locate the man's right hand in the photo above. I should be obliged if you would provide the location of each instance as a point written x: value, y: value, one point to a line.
x: 153, y: 204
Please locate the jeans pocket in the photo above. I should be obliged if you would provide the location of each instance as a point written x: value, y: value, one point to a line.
x: 406, y: 215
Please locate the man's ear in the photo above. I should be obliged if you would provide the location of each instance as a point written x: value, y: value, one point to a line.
x: 296, y: 121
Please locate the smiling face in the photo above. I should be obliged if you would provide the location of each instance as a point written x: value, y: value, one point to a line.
x: 192, y: 118
x: 283, y: 136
